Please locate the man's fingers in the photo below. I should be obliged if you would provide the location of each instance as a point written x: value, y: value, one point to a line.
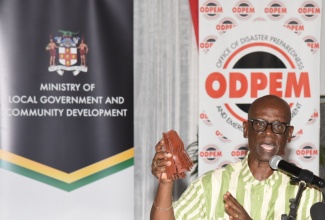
x: 160, y: 146
x: 159, y: 163
x: 230, y: 199
x: 231, y: 205
x: 234, y: 209
x: 160, y: 160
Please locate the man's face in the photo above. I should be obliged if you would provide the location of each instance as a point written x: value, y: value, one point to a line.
x: 264, y: 145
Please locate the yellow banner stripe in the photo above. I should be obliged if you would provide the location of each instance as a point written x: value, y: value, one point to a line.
x: 62, y: 176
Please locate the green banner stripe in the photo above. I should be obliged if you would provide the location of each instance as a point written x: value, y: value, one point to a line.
x: 62, y: 185
x: 100, y: 175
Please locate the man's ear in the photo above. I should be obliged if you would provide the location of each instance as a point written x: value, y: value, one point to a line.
x: 291, y: 128
x: 245, y: 129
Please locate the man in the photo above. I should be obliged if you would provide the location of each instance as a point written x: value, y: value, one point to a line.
x: 51, y: 47
x: 248, y: 189
x: 83, y: 51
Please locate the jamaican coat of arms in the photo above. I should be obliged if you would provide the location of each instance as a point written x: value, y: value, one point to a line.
x: 68, y: 48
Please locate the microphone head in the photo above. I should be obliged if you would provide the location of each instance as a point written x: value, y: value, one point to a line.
x: 317, y: 211
x: 274, y: 161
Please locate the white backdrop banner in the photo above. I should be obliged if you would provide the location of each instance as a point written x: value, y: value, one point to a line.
x: 249, y: 49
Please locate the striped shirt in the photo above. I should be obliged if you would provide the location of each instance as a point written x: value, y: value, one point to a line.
x: 263, y: 200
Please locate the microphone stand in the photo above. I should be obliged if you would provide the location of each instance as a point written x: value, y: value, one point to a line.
x: 294, y: 202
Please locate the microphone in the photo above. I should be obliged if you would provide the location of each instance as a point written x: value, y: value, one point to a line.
x: 317, y: 211
x: 276, y: 162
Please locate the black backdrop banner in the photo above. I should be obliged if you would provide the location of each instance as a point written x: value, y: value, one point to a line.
x: 66, y: 69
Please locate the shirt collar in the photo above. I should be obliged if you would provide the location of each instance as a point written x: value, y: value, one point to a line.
x: 249, y: 178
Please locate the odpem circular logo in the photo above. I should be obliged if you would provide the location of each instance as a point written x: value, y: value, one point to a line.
x: 205, y: 119
x: 221, y: 137
x: 312, y: 43
x: 309, y: 10
x: 207, y: 43
x: 238, y: 77
x: 211, y: 153
x: 275, y: 10
x: 240, y: 152
x: 295, y: 25
x: 313, y: 118
x: 225, y: 25
x: 211, y: 9
x: 307, y: 152
x: 243, y: 10
x: 239, y: 81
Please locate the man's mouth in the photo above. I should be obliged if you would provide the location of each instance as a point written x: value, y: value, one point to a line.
x: 268, y: 147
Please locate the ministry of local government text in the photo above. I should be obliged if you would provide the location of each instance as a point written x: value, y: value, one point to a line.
x: 71, y: 99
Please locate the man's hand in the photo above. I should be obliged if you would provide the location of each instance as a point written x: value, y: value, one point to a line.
x: 234, y: 209
x: 159, y: 163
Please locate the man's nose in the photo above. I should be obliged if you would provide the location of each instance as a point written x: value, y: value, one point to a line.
x: 268, y: 129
